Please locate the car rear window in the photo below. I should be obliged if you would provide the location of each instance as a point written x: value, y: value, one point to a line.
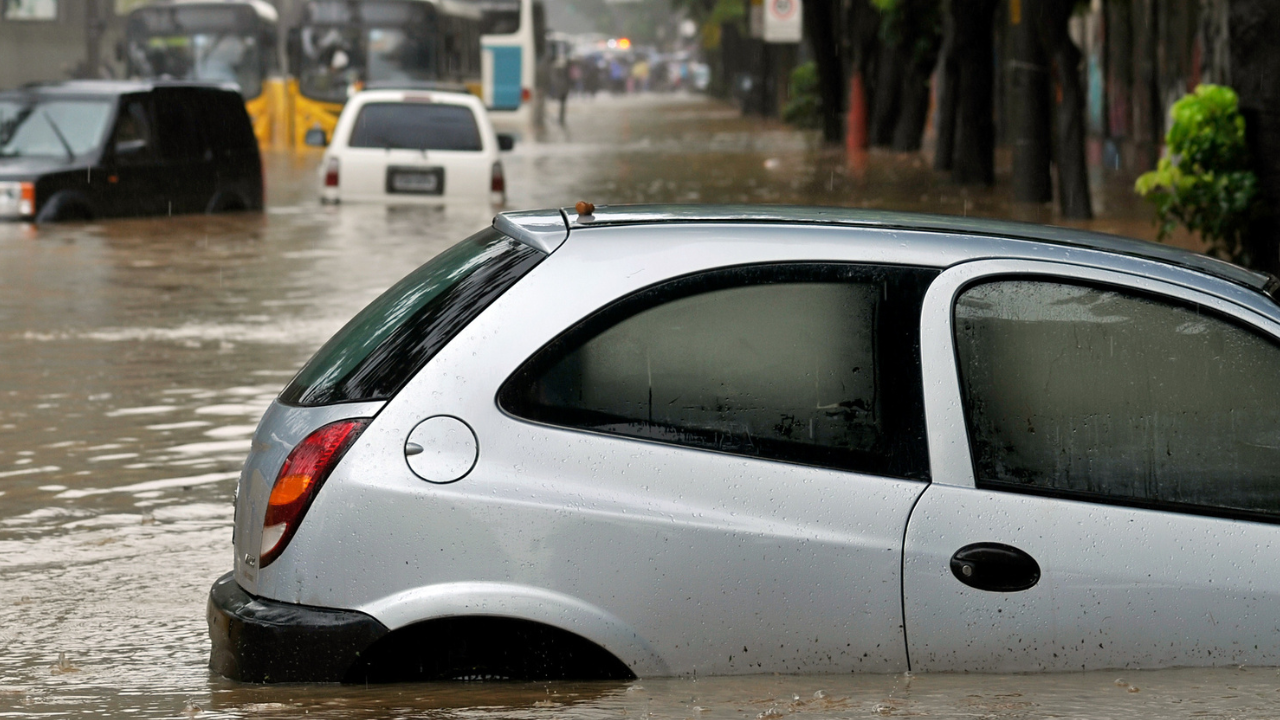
x: 385, y: 345
x: 416, y: 126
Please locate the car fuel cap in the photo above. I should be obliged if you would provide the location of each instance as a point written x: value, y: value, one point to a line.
x: 441, y: 449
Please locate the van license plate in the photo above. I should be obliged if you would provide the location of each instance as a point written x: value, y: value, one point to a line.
x: 416, y: 181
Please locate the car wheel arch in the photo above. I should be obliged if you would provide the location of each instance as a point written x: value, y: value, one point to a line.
x: 484, y: 647
x: 520, y: 603
x: 66, y: 205
x: 226, y: 201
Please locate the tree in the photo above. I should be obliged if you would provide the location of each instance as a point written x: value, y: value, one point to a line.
x: 1065, y: 57
x: 1029, y: 107
x: 820, y: 30
x: 1255, y: 65
x: 910, y: 35
x: 966, y: 130
x: 1204, y: 182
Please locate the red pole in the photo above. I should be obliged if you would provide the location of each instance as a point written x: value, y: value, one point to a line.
x: 856, y: 133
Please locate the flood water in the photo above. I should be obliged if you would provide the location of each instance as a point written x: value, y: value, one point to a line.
x: 138, y: 355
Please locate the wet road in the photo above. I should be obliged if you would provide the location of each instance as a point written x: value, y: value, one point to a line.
x: 138, y: 355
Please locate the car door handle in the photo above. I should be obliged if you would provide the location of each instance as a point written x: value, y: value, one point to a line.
x: 995, y: 567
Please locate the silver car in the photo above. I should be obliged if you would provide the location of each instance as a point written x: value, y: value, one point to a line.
x: 674, y: 440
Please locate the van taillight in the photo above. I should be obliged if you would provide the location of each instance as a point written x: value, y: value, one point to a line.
x: 300, y: 478
x: 497, y: 181
x: 525, y: 95
x: 331, y: 173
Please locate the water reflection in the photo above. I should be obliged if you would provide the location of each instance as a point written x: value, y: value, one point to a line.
x: 138, y: 355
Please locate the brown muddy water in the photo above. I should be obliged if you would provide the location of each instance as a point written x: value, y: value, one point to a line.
x: 137, y: 356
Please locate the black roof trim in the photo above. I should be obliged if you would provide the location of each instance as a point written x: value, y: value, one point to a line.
x: 90, y: 88
x: 891, y: 220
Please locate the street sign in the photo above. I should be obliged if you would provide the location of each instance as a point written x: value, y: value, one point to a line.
x: 782, y: 23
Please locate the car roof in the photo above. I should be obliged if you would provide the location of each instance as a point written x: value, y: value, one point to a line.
x: 109, y: 88
x: 446, y: 97
x: 546, y: 229
x: 263, y: 9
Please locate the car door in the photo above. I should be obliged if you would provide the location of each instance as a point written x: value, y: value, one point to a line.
x: 1106, y: 454
x: 135, y: 182
x: 738, y: 452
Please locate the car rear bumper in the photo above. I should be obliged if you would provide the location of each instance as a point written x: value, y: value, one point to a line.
x: 260, y: 640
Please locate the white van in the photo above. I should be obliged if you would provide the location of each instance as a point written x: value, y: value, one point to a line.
x: 412, y: 146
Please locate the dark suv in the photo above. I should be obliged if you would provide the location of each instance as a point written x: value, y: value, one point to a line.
x: 88, y: 149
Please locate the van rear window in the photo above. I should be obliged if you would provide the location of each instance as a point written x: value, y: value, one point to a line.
x: 416, y: 126
x: 388, y: 342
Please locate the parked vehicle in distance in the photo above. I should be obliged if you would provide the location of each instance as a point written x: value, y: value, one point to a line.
x: 226, y: 41
x: 340, y: 47
x: 88, y: 149
x: 427, y: 145
x: 716, y: 440
x: 513, y: 46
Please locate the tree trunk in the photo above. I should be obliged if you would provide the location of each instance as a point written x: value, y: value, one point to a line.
x: 1073, y: 170
x: 821, y: 27
x: 887, y: 98
x: 922, y: 38
x: 973, y: 160
x: 1255, y: 65
x: 1119, y: 28
x: 862, y: 38
x: 913, y: 108
x: 1030, y: 120
x: 1215, y: 42
x: 948, y: 93
x: 1073, y: 173
x: 1148, y: 114
x: 908, y: 52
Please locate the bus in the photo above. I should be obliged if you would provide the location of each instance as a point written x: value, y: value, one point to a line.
x: 512, y: 45
x: 342, y: 46
x: 216, y: 41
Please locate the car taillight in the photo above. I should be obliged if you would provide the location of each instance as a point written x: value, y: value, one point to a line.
x: 27, y: 199
x: 331, y: 173
x: 525, y: 95
x: 497, y: 181
x: 304, y: 471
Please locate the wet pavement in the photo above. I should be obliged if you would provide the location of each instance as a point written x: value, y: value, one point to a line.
x: 137, y: 356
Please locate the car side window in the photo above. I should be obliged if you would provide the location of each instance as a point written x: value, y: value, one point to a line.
x: 133, y: 135
x: 1113, y: 396
x: 181, y: 137
x: 809, y: 363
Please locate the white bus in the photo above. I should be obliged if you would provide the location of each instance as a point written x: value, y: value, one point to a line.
x: 511, y: 46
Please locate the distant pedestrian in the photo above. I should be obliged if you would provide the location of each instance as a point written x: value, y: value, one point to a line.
x: 575, y: 77
x: 558, y: 85
x: 591, y: 77
x: 640, y: 75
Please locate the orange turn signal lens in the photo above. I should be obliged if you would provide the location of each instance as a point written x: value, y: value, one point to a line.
x: 27, y: 199
x: 288, y: 489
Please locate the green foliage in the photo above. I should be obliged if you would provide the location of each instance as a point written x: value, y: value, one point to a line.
x: 1204, y: 182
x: 804, y: 109
x: 917, y: 22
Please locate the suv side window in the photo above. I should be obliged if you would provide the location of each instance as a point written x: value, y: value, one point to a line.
x: 133, y: 139
x: 225, y: 123
x: 810, y: 363
x: 1110, y: 396
x: 181, y: 135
